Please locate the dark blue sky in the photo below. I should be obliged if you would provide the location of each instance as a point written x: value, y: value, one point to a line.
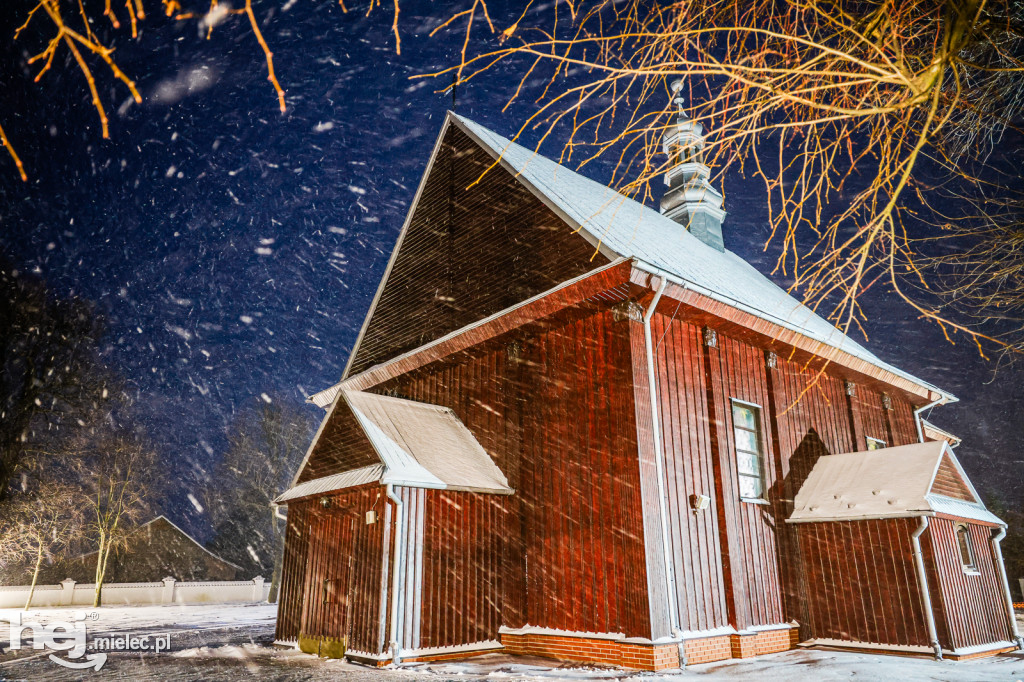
x: 235, y: 250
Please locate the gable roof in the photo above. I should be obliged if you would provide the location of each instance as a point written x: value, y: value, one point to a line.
x: 886, y: 483
x: 425, y: 446
x: 621, y: 227
x: 420, y: 445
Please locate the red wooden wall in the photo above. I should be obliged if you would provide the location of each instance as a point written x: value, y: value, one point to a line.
x: 580, y: 481
x: 555, y: 412
x: 560, y: 408
x: 970, y: 608
x: 686, y: 440
x: 336, y: 545
x: 463, y: 573
x: 293, y: 573
x: 736, y: 557
x: 861, y: 582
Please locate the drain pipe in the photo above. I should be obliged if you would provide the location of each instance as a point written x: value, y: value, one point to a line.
x: 922, y: 578
x: 996, y: 539
x: 396, y: 579
x: 660, y: 468
x: 917, y: 417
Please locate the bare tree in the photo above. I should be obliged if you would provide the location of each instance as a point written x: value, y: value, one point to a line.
x: 40, y: 525
x: 847, y: 110
x: 119, y: 474
x: 266, y: 445
x: 859, y: 116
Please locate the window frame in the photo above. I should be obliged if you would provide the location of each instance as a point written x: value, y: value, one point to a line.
x: 762, y: 459
x: 970, y: 568
x: 869, y: 440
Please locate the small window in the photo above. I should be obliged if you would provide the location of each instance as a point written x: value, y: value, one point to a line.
x: 963, y: 541
x: 746, y: 421
x: 875, y: 444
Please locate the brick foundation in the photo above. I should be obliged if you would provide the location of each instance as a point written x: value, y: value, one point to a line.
x: 708, y: 649
x: 980, y: 654
x: 626, y: 654
x: 593, y: 650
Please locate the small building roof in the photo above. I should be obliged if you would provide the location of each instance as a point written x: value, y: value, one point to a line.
x: 424, y: 445
x: 326, y: 484
x: 886, y: 483
x: 420, y: 445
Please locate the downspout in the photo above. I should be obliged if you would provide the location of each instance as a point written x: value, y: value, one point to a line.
x: 917, y: 417
x: 660, y: 468
x: 996, y: 539
x: 922, y: 578
x: 396, y: 578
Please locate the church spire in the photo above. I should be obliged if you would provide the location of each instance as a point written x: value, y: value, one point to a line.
x: 690, y: 200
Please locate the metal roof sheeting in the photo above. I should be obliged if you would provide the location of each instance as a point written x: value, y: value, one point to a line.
x: 886, y: 483
x: 425, y: 445
x: 346, y: 479
x: 628, y: 228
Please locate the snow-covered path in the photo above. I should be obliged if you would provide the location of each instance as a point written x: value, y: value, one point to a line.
x: 233, y: 642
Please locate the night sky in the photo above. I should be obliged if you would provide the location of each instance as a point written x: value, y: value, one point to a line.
x: 235, y: 250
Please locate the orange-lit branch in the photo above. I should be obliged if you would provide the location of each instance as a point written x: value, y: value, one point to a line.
x: 266, y: 51
x: 14, y: 155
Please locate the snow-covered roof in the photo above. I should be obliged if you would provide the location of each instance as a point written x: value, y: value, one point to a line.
x: 327, y: 484
x: 885, y: 483
x: 620, y: 226
x: 424, y: 445
x: 420, y: 445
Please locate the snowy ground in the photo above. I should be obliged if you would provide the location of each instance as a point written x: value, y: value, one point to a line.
x: 232, y: 642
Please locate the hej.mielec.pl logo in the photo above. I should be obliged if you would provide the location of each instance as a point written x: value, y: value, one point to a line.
x: 72, y: 638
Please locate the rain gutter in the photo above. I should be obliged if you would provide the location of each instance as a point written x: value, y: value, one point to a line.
x: 922, y: 578
x: 652, y: 384
x: 941, y: 400
x: 996, y: 539
x: 396, y: 578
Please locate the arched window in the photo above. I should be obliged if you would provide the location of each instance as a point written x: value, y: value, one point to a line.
x: 963, y: 541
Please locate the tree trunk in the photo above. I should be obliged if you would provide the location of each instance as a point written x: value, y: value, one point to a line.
x: 35, y: 575
x: 101, y: 569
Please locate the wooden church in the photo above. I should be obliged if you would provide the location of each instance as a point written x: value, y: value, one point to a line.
x: 576, y: 427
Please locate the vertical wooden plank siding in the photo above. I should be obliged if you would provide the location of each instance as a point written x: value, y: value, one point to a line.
x: 555, y: 411
x: 861, y: 582
x: 463, y: 537
x: 413, y: 503
x: 696, y: 548
x: 335, y: 545
x: 970, y: 607
x: 478, y: 242
x: 650, y: 500
x: 289, y: 600
x: 742, y: 373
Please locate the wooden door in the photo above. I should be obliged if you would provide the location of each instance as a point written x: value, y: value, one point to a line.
x: 327, y: 590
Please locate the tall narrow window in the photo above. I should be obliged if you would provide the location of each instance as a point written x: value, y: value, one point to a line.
x: 746, y: 427
x: 963, y: 541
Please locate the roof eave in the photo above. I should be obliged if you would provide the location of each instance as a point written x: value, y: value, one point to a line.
x: 884, y: 372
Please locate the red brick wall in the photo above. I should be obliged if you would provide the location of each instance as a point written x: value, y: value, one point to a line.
x: 648, y: 656
x: 587, y: 650
x: 708, y: 649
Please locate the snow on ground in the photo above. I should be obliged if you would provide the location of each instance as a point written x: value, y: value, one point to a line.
x: 234, y: 641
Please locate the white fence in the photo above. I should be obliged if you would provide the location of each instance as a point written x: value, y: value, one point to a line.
x: 167, y: 591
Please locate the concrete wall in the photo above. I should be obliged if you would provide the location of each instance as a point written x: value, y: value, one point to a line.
x: 167, y: 591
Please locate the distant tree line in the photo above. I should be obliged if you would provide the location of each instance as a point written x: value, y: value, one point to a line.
x: 76, y: 470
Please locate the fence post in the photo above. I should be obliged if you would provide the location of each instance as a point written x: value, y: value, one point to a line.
x: 257, y: 588
x: 67, y: 596
x: 167, y: 596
